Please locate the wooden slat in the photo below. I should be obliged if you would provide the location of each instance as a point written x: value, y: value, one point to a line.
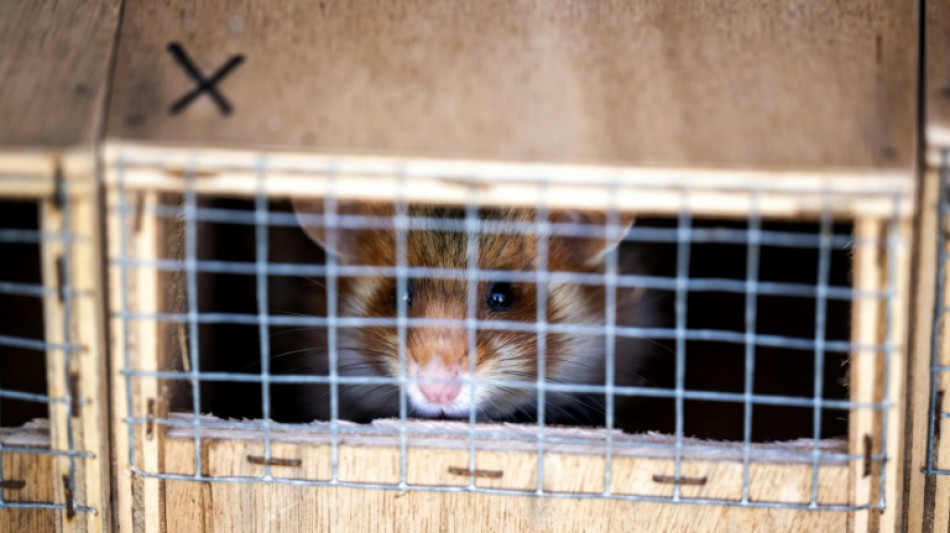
x: 876, y: 263
x: 658, y: 191
x: 937, y: 128
x: 124, y: 501
x: 937, y: 76
x: 864, y: 367
x: 922, y: 326
x: 74, y: 265
x: 26, y: 174
x: 897, y: 264
x: 54, y: 63
x: 941, y: 494
x: 930, y: 498
x: 57, y: 377
x: 258, y: 507
x: 768, y: 84
x: 88, y: 330
x: 139, y: 501
x: 37, y: 474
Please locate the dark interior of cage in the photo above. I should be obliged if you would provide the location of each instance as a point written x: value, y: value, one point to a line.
x: 713, y: 379
x: 22, y: 365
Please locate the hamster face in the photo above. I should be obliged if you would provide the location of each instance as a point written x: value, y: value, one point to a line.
x: 443, y: 353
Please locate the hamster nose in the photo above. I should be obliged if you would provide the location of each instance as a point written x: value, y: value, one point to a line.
x: 440, y: 393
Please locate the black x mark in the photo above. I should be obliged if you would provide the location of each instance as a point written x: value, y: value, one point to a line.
x: 204, y: 84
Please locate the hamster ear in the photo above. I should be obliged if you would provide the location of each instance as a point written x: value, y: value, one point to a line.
x: 310, y: 216
x: 592, y: 250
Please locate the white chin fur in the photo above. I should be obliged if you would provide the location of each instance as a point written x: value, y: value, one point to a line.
x: 458, y: 408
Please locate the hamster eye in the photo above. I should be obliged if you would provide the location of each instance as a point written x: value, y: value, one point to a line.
x: 406, y: 296
x: 501, y: 296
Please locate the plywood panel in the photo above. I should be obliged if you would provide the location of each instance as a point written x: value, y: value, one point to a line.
x: 32, y: 476
x: 761, y: 84
x: 260, y: 506
x: 54, y: 63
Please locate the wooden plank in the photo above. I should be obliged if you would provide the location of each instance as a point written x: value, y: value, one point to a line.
x: 54, y: 63
x: 88, y: 330
x: 942, y: 508
x: 36, y: 472
x: 918, y: 398
x: 941, y: 491
x: 122, y: 478
x: 897, y: 261
x: 140, y: 500
x: 864, y: 366
x: 25, y: 174
x: 659, y: 191
x: 187, y: 504
x: 872, y: 270
x: 770, y: 85
x: 937, y: 77
x: 300, y: 509
x: 258, y: 506
x: 74, y: 265
x: 57, y: 374
x: 934, y: 496
x: 937, y: 129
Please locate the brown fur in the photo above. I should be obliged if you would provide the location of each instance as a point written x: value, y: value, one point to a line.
x: 509, y: 355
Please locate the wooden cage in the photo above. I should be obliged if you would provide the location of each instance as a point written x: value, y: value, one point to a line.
x: 794, y: 113
x: 57, y: 472
x: 136, y: 177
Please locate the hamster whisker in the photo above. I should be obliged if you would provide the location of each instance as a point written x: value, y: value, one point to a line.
x: 314, y: 350
x: 378, y: 387
x: 295, y: 313
x: 294, y: 330
x: 657, y: 344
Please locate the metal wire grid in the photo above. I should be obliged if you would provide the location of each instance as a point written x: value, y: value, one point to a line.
x: 754, y: 238
x: 938, y: 355
x: 68, y: 295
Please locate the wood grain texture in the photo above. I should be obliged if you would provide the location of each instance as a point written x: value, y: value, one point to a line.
x: 891, y: 378
x: 867, y: 265
x: 139, y: 501
x: 88, y: 329
x: 941, y: 486
x: 37, y: 471
x: 30, y: 175
x: 935, y: 500
x: 765, y: 84
x: 300, y: 509
x: 937, y: 76
x: 57, y: 376
x: 797, y: 195
x: 54, y: 63
x: 26, y: 175
x: 918, y: 397
x: 195, y: 506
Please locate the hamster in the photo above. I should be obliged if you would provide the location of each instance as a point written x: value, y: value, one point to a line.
x: 442, y: 353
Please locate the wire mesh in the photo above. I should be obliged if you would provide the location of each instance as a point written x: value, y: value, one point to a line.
x: 337, y: 222
x: 939, y: 367
x: 26, y: 348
